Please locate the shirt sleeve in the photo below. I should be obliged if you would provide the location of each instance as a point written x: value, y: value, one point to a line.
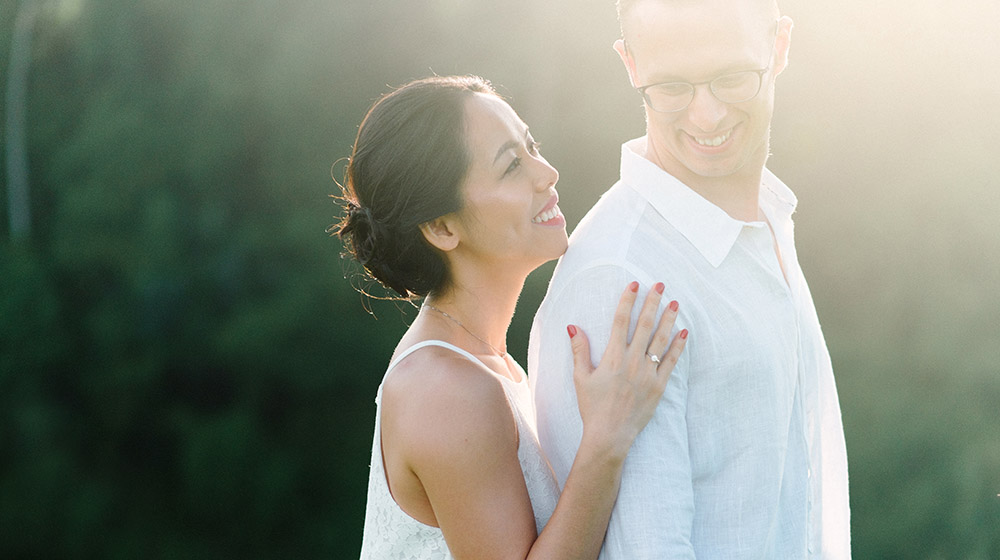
x: 652, y: 518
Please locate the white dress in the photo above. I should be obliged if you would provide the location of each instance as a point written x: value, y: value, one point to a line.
x: 391, y: 534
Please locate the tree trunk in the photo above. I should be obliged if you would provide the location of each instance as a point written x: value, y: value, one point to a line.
x: 18, y: 200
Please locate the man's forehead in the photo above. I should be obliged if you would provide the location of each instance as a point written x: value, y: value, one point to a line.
x: 684, y: 25
x: 625, y: 6
x: 634, y: 13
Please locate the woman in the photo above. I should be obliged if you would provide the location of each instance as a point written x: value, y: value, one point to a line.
x: 447, y: 198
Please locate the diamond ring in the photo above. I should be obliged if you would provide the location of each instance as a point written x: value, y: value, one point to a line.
x: 653, y: 358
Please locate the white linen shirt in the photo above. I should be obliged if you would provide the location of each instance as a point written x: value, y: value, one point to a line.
x: 745, y: 455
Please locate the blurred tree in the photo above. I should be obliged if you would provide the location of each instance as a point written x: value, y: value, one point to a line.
x: 195, y: 401
x: 185, y: 371
x: 18, y: 188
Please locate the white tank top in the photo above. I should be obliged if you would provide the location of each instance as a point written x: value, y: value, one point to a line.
x: 391, y: 534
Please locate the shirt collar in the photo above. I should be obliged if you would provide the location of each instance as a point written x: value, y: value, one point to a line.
x: 705, y: 225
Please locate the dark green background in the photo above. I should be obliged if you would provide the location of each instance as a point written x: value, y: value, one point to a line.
x: 185, y: 372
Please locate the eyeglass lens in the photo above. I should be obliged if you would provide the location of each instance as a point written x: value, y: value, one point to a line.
x: 731, y: 88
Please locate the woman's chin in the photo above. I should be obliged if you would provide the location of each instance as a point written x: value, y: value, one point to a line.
x: 558, y: 253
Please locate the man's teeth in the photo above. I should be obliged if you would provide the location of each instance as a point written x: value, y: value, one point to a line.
x: 713, y: 142
x: 546, y: 216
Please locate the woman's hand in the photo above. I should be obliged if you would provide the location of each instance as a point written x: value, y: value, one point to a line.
x: 618, y: 397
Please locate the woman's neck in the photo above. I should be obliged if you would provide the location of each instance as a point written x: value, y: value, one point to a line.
x: 483, y: 307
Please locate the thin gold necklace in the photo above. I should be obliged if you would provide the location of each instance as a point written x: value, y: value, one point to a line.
x: 500, y: 353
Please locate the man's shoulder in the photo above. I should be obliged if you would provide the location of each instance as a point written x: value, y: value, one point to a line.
x: 778, y: 192
x: 607, y: 226
x: 620, y: 198
x: 622, y: 225
x: 601, y: 236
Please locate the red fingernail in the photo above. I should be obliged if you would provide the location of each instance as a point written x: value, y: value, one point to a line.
x: 571, y: 330
x: 673, y: 306
x: 633, y: 287
x: 658, y: 287
x: 683, y: 334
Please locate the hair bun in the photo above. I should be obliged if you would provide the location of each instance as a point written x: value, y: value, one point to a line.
x: 407, y: 167
x: 368, y: 239
x: 361, y: 229
x: 358, y: 214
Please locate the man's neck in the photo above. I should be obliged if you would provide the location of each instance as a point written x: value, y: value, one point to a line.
x: 737, y: 195
x: 740, y: 199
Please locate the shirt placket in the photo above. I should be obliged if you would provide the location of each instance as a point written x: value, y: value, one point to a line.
x: 807, y: 385
x: 789, y: 281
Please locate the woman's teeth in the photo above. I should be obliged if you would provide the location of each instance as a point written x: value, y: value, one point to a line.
x: 546, y: 216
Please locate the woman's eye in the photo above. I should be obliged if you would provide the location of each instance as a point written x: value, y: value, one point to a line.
x: 513, y: 165
x: 533, y: 147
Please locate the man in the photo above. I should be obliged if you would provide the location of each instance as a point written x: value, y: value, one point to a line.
x: 745, y: 457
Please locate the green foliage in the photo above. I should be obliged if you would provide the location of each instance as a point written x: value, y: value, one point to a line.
x: 187, y: 372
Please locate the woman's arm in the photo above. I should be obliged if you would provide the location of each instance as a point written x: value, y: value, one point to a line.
x: 461, y: 443
x: 616, y: 400
x: 653, y: 510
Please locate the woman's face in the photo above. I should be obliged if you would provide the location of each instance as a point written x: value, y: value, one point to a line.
x: 510, y: 213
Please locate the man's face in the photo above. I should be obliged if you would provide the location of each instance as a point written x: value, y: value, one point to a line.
x: 697, y: 42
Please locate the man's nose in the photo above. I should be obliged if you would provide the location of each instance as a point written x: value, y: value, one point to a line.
x: 705, y: 110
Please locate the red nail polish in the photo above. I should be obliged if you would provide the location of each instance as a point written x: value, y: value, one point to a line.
x: 658, y: 287
x: 683, y: 334
x: 571, y: 330
x: 673, y: 306
x: 633, y: 287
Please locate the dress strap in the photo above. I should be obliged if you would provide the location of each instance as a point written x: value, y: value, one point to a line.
x: 442, y: 344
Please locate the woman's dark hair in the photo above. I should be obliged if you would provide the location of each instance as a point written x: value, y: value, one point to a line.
x: 407, y: 168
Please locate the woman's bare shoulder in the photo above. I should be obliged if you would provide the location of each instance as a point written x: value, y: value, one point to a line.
x: 436, y: 399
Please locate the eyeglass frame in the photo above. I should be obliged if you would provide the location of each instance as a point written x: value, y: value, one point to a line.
x: 693, y: 85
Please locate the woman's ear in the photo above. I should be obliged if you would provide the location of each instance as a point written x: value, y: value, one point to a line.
x: 441, y: 232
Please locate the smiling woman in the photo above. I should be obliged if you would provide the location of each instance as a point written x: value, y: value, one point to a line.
x: 509, y: 192
x: 447, y: 197
x: 414, y: 152
x: 407, y: 167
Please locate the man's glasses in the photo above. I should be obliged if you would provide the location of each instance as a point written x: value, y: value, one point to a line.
x: 737, y: 87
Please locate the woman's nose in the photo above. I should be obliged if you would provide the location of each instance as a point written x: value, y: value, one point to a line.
x: 548, y: 176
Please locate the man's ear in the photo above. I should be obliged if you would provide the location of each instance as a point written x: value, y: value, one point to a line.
x: 441, y: 232
x: 627, y: 60
x: 782, y: 42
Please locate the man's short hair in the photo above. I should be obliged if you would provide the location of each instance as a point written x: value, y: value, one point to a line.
x: 624, y: 6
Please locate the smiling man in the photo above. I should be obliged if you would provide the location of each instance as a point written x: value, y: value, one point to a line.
x: 745, y: 457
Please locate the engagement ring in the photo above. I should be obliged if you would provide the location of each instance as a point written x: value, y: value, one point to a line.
x: 654, y: 358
